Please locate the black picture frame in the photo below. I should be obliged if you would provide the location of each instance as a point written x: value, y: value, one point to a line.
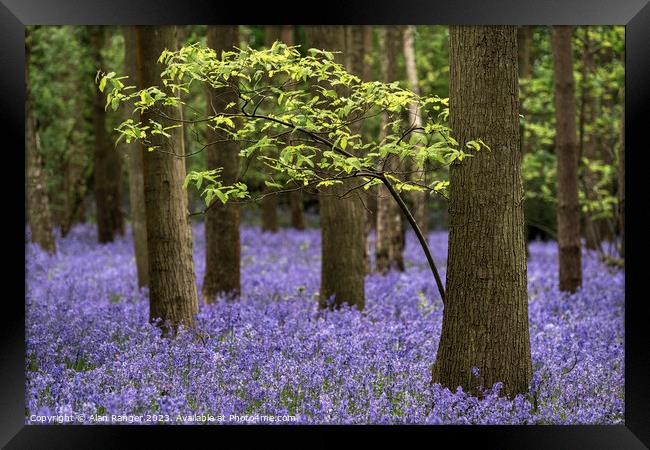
x: 634, y: 14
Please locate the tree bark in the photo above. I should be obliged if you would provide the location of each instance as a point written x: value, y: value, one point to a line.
x: 135, y: 167
x: 296, y: 204
x: 418, y: 198
x: 38, y: 209
x: 108, y: 170
x: 356, y: 51
x: 485, y: 320
x: 172, y: 282
x: 222, y: 271
x: 77, y: 158
x: 389, y: 242
x: 272, y: 33
x: 371, y: 194
x: 588, y: 140
x: 342, y: 219
x: 621, y: 185
x: 566, y: 148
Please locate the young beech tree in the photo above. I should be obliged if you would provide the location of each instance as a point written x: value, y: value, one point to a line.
x: 172, y: 283
x: 566, y: 149
x: 485, y: 320
x: 317, y: 148
x: 110, y: 220
x: 222, y: 252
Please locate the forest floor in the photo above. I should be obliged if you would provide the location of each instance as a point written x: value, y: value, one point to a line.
x: 90, y: 352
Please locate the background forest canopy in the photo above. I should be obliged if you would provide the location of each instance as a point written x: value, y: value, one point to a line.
x: 65, y: 61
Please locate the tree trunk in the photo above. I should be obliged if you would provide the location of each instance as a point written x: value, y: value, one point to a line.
x: 621, y: 185
x: 110, y: 220
x: 272, y: 33
x: 135, y: 166
x: 588, y: 140
x: 356, y: 51
x: 524, y: 48
x: 389, y: 242
x: 222, y: 273
x: 38, y: 209
x: 485, y: 321
x: 566, y: 148
x: 524, y: 52
x: 418, y: 198
x: 370, y: 195
x: 172, y: 282
x: 296, y: 204
x: 77, y: 158
x: 342, y: 219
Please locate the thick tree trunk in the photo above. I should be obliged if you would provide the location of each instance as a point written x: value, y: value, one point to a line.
x: 418, y: 198
x: 566, y: 148
x: 110, y: 220
x: 222, y: 272
x: 485, y: 321
x: 38, y: 210
x: 389, y: 243
x: 342, y: 219
x: 172, y: 282
x: 135, y: 166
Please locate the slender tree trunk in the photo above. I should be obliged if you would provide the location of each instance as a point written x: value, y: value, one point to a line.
x: 342, y: 219
x: 525, y: 47
x: 222, y: 272
x: 566, y: 148
x: 370, y: 195
x: 485, y: 321
x: 368, y: 61
x: 76, y: 163
x: 389, y: 242
x: 296, y: 204
x: 172, y: 282
x: 356, y: 62
x: 524, y: 50
x: 621, y: 185
x: 38, y: 209
x: 135, y: 166
x: 418, y: 198
x: 110, y: 220
x: 588, y: 140
x: 272, y: 33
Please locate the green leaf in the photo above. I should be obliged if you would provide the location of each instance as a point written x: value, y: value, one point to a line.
x: 223, y: 197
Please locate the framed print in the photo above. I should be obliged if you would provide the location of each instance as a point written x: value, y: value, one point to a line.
x: 388, y: 218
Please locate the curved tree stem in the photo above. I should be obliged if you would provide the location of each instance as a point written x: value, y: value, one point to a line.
x: 418, y: 233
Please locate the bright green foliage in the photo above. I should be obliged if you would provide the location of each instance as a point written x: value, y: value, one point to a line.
x: 606, y: 86
x: 304, y: 107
